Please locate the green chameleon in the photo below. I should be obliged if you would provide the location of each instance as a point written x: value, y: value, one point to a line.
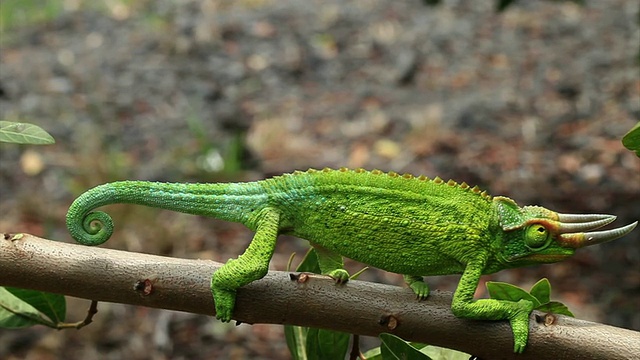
x: 409, y: 225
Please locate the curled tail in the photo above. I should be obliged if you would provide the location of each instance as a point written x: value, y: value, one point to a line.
x: 91, y: 227
x: 226, y: 201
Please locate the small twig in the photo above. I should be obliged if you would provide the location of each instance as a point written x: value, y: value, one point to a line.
x: 93, y: 309
x: 293, y: 255
x: 357, y: 274
x: 355, y: 348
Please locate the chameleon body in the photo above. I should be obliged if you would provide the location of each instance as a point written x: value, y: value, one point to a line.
x: 409, y: 225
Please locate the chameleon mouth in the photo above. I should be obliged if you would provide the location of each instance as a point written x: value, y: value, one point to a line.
x: 574, y: 230
x: 543, y: 257
x: 548, y: 258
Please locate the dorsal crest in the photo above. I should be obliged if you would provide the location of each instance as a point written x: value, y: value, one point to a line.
x: 390, y: 179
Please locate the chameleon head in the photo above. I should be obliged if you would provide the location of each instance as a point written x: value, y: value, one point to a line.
x: 533, y: 234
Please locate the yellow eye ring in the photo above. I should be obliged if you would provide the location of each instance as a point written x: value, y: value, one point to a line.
x: 536, y: 237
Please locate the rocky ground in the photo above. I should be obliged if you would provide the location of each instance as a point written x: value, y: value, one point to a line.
x: 530, y: 103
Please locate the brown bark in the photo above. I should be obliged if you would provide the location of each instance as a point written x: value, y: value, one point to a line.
x: 310, y: 300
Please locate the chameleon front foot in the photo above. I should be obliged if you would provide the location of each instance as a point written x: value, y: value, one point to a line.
x: 225, y: 301
x: 520, y: 325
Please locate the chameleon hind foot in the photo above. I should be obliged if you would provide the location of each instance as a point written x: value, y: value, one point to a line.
x: 331, y: 264
x: 417, y: 284
x: 340, y: 276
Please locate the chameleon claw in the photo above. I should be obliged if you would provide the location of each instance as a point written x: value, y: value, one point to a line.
x: 421, y: 289
x: 518, y: 347
x: 417, y: 284
x: 223, y: 314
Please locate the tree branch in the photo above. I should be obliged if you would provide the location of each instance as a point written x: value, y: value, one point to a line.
x: 315, y: 301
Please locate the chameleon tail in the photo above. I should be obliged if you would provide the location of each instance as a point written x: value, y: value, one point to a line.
x: 97, y: 227
x: 225, y: 201
x: 90, y: 227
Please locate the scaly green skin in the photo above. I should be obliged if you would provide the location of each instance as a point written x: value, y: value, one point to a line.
x: 400, y: 223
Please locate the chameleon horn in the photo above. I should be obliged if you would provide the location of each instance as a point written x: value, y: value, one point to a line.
x: 578, y: 240
x: 578, y: 218
x: 574, y: 227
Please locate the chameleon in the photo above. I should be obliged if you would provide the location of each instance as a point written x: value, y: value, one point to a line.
x: 410, y: 225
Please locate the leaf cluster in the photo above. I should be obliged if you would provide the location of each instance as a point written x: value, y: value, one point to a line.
x: 539, y: 295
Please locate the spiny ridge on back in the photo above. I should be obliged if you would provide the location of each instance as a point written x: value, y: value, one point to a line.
x: 391, y: 175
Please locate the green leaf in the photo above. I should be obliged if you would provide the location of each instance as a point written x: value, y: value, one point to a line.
x: 309, y: 263
x: 393, y: 347
x: 310, y: 343
x: 53, y: 306
x: 631, y: 140
x: 23, y: 133
x: 504, y: 291
x: 542, y: 291
x: 296, y: 337
x: 326, y: 344
x: 376, y: 354
x: 555, y: 307
x: 373, y: 354
x: 437, y: 352
x: 16, y: 313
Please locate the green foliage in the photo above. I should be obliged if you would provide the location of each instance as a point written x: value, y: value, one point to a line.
x: 393, y: 347
x: 631, y: 140
x: 15, y: 13
x: 440, y: 353
x: 316, y: 344
x: 326, y: 344
x: 309, y: 263
x: 23, y: 308
x: 309, y: 343
x: 539, y: 295
x: 52, y: 305
x: 21, y: 13
x: 18, y: 307
x: 22, y: 133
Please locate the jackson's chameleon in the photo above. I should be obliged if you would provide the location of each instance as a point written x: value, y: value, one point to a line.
x: 409, y: 225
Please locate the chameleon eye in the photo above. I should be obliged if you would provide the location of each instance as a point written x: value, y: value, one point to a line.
x: 536, y: 237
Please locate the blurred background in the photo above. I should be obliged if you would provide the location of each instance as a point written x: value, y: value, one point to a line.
x: 530, y: 103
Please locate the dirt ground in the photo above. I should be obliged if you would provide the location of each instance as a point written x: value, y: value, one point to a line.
x: 530, y: 103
